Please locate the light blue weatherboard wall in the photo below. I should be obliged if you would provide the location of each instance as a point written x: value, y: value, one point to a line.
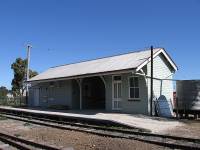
x: 134, y: 105
x: 162, y: 70
x: 57, y: 93
x: 67, y: 93
x: 128, y: 105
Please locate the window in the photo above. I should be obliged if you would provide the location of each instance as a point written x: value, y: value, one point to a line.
x: 134, y: 90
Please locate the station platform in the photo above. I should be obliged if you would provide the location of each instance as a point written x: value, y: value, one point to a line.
x: 154, y: 124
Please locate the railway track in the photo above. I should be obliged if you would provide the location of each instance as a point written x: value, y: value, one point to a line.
x: 23, y: 144
x: 162, y: 140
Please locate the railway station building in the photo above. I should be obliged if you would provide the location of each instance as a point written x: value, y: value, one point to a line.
x: 119, y: 83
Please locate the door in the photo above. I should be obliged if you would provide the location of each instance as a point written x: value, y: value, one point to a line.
x: 36, y: 97
x: 117, y: 93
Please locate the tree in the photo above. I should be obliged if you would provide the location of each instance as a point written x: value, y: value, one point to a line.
x: 3, y: 92
x: 18, y: 82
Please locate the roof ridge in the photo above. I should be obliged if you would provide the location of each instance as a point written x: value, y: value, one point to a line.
x: 130, y: 52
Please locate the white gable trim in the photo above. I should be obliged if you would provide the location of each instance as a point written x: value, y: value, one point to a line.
x: 156, y: 54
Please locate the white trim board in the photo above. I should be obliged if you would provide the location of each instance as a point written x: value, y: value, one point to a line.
x: 156, y: 54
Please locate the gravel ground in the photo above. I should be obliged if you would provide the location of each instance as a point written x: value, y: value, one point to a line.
x: 70, y: 139
x: 190, y: 128
x: 4, y: 146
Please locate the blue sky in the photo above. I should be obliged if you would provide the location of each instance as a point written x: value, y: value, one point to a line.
x: 65, y: 31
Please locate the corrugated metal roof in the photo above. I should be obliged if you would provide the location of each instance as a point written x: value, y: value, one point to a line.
x: 114, y: 63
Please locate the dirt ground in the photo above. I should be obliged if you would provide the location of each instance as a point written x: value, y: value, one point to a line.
x: 190, y: 128
x: 4, y: 146
x: 70, y: 140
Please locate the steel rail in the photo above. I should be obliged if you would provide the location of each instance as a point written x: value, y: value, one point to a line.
x: 20, y: 143
x: 14, y: 143
x: 92, y: 121
x: 133, y: 131
x: 162, y: 140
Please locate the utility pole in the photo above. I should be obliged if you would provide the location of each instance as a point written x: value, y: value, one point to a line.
x: 27, y: 69
x: 151, y: 100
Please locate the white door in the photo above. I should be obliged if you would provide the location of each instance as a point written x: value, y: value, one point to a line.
x: 36, y: 97
x: 117, y: 93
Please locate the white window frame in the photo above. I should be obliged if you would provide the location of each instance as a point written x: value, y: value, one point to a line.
x: 129, y: 95
x: 113, y: 76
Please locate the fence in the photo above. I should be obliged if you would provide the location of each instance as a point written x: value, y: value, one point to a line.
x: 16, y: 101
